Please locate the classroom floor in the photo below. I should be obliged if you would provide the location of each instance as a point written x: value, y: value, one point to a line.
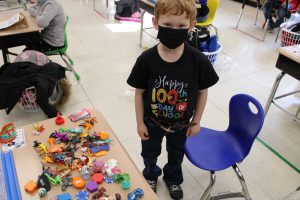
x: 104, y: 52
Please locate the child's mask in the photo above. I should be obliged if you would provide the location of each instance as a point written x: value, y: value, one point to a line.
x: 172, y: 38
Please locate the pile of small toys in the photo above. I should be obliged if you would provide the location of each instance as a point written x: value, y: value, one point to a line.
x: 74, y: 149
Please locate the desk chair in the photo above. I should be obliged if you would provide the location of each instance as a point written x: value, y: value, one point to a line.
x: 63, y: 52
x: 214, y: 150
x: 258, y: 7
x: 213, y: 6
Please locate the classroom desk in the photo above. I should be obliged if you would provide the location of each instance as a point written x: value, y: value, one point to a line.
x: 289, y: 63
x: 28, y: 165
x: 19, y: 34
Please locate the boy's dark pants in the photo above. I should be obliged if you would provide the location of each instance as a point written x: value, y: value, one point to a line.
x: 151, y: 149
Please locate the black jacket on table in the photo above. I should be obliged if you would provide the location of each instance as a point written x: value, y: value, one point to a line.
x: 15, y: 77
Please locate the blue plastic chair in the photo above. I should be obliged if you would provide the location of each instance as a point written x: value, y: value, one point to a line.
x: 214, y: 150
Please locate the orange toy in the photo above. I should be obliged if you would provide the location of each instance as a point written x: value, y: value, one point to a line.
x: 103, y: 135
x: 78, y: 182
x: 30, y: 187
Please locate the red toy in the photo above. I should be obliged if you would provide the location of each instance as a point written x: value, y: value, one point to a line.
x: 59, y: 119
x: 8, y: 133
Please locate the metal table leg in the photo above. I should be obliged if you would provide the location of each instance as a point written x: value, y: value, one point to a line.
x: 273, y: 92
x: 5, y: 56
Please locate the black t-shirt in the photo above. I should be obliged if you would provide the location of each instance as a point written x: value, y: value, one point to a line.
x: 171, y: 88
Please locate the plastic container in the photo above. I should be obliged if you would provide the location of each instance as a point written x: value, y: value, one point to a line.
x: 27, y: 101
x: 289, y: 38
x: 212, y: 56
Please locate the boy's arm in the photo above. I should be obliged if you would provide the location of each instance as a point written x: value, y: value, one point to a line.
x: 200, y: 105
x: 34, y: 11
x: 46, y: 16
x: 139, y: 111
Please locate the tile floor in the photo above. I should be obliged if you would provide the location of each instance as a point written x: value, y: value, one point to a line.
x: 104, y: 51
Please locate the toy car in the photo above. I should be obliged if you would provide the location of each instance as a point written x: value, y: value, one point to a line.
x: 136, y: 194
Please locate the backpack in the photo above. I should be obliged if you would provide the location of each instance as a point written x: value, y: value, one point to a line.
x: 127, y: 10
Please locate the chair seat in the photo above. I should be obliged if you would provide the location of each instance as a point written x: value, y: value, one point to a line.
x: 213, y: 150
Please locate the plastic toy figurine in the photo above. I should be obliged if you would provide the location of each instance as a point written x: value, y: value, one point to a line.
x: 99, y: 194
x: 87, y: 125
x: 137, y: 194
x: 92, y: 186
x: 85, y: 174
x: 76, y: 131
x: 82, y: 195
x: 43, y: 182
x: 54, y: 181
x: 103, y: 135
x: 78, y: 182
x: 66, y: 182
x: 40, y: 147
x: 30, y: 187
x: 125, y: 184
x: 35, y: 133
x: 59, y: 120
x: 96, y: 167
x: 38, y: 128
x: 65, y: 196
x: 98, y: 178
x: 42, y: 192
x: 124, y: 179
x: 8, y: 133
x: 60, y: 136
x: 120, y: 177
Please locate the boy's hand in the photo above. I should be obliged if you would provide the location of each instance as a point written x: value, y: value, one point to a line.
x: 193, y: 130
x: 142, y: 131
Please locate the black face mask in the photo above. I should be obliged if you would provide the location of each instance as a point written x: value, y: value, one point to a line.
x: 172, y: 38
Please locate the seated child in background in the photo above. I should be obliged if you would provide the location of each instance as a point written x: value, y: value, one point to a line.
x: 49, y: 15
x: 279, y: 6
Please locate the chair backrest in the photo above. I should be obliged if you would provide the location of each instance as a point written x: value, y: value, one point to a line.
x: 64, y: 49
x: 213, y: 6
x: 245, y: 120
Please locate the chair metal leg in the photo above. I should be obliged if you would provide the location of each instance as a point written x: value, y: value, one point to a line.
x: 206, y: 195
x: 277, y: 34
x: 273, y: 92
x: 215, y: 30
x: 242, y: 181
x: 241, y: 13
x: 142, y: 28
x: 258, y: 6
x: 70, y: 67
x: 228, y: 195
x: 297, y: 113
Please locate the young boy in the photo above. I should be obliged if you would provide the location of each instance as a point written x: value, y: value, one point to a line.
x: 171, y: 81
x: 49, y: 15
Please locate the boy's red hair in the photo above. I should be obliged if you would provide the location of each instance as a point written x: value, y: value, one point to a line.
x: 176, y: 7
